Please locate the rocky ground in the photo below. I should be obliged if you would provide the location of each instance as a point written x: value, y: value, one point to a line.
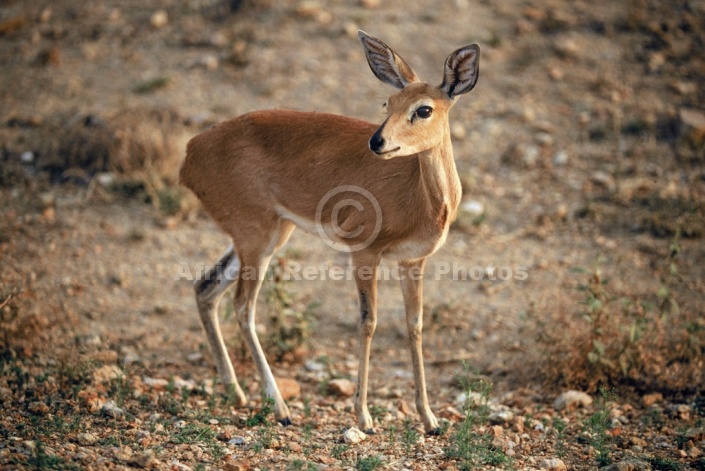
x: 581, y: 154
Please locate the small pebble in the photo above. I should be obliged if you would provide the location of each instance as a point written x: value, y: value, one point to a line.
x: 476, y: 208
x: 112, y: 410
x: 552, y: 463
x: 560, y: 158
x: 86, y: 439
x: 312, y: 365
x: 89, y: 340
x: 457, y: 131
x: 107, y: 373
x: 38, y: 408
x: 208, y: 62
x: 572, y: 400
x: 238, y: 441
x: 649, y: 400
x: 353, y: 435
x: 341, y: 387
x: 501, y: 417
x: 194, y: 357
x: 543, y: 139
x: 159, y: 19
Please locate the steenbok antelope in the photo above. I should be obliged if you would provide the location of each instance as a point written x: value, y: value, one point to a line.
x: 389, y: 190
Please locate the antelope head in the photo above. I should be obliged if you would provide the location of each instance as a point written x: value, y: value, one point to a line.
x: 417, y: 115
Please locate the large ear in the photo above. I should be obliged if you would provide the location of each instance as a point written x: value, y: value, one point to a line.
x: 461, y: 71
x: 386, y: 65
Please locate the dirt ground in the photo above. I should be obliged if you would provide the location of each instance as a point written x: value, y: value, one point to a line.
x: 581, y: 152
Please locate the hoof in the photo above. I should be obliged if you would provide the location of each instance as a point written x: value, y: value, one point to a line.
x: 286, y: 421
x: 434, y: 432
x: 370, y: 431
x: 234, y: 396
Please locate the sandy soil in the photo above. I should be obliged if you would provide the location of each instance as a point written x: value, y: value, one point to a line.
x: 575, y: 147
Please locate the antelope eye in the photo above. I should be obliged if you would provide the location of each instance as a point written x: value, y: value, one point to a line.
x: 424, y: 112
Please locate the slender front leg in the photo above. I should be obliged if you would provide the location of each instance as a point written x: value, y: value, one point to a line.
x: 366, y: 279
x: 412, y: 289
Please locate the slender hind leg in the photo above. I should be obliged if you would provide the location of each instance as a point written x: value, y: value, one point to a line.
x: 209, y: 291
x: 255, y: 262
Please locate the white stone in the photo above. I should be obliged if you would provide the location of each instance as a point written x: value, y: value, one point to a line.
x: 112, y: 410
x: 552, y: 463
x: 106, y: 178
x: 353, y: 435
x: 572, y: 400
x: 239, y: 441
x: 560, y: 158
x: 472, y: 399
x: 500, y: 416
x: 159, y: 19
x: 474, y: 207
x: 157, y: 383
x: 208, y: 62
x: 194, y: 357
x: 530, y: 155
x: 312, y: 365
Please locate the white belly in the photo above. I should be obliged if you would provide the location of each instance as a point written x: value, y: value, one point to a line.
x: 419, y: 245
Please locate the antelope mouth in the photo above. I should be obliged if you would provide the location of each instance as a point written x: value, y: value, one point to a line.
x: 396, y: 149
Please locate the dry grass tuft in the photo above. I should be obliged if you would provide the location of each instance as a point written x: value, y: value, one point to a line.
x: 139, y: 144
x: 616, y: 338
x: 132, y: 152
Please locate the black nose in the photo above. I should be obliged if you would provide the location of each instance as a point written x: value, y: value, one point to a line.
x: 376, y: 141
